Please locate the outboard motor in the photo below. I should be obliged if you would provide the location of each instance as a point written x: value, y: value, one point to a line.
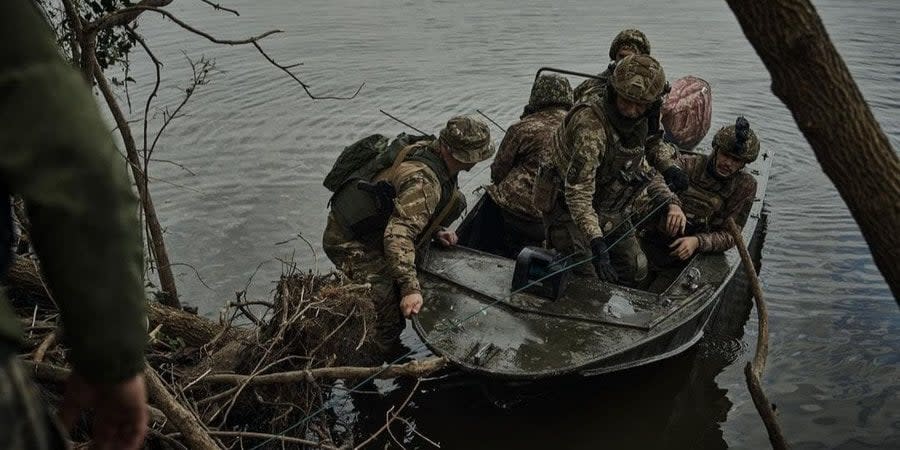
x: 540, y: 272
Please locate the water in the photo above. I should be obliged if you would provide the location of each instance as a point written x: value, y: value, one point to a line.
x: 259, y: 149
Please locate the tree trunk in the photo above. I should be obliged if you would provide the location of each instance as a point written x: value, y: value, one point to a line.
x: 160, y: 254
x: 810, y: 77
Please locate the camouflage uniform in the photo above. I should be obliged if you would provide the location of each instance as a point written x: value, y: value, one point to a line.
x: 592, y: 89
x: 515, y: 166
x: 57, y: 154
x: 387, y: 258
x: 659, y: 154
x: 710, y: 200
x: 598, y: 167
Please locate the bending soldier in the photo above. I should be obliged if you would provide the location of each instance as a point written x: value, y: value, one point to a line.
x: 516, y: 164
x: 595, y: 169
x: 382, y: 252
x: 719, y: 189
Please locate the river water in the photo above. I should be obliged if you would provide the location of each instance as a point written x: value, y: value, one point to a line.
x: 257, y: 148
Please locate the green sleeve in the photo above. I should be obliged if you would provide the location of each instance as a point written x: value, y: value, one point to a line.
x: 57, y: 153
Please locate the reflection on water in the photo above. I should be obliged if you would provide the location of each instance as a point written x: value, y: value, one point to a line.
x: 259, y: 149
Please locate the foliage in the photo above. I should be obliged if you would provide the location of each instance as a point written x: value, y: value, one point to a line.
x: 113, y: 44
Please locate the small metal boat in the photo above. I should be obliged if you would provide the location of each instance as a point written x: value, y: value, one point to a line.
x: 471, y: 317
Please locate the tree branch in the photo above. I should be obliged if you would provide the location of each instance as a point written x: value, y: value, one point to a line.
x: 218, y: 7
x: 123, y: 16
x: 412, y: 369
x: 753, y: 371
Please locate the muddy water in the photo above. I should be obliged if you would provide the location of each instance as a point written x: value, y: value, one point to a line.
x: 257, y: 149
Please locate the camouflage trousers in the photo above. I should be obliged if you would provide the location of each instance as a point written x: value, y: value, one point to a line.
x: 25, y: 422
x: 625, y: 252
x: 364, y: 263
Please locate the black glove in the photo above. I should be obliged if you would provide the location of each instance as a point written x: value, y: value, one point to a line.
x: 676, y: 178
x: 605, y: 270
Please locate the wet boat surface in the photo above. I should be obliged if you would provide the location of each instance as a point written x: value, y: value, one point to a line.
x: 471, y: 316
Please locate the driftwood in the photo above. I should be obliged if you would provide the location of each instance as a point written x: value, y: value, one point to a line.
x: 754, y: 370
x: 186, y: 422
x: 410, y: 369
x: 210, y: 380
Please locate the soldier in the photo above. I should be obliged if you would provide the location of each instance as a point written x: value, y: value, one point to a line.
x: 595, y: 169
x: 660, y: 155
x: 515, y: 166
x: 627, y: 42
x: 719, y: 189
x: 423, y: 176
x: 56, y: 153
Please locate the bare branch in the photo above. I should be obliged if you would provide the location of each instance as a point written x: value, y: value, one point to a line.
x: 412, y: 368
x: 76, y: 31
x: 250, y: 434
x: 218, y: 7
x: 393, y: 416
x: 157, y: 65
x: 123, y: 16
x: 305, y: 87
x: 252, y: 40
x: 182, y: 166
x: 200, y: 76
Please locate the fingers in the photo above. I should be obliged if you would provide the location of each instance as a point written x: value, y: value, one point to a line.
x: 679, y: 249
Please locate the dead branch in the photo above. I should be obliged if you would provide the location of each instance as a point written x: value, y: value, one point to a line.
x: 166, y: 279
x: 199, y: 77
x: 123, y: 16
x: 411, y: 369
x: 393, y: 416
x: 417, y: 433
x: 218, y: 7
x: 753, y: 371
x: 193, y: 430
x: 45, y: 345
x: 251, y: 41
x: 267, y: 436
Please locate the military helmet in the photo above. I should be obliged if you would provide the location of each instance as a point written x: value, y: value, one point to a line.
x: 468, y: 139
x: 551, y: 90
x: 638, y: 78
x: 737, y: 140
x: 632, y: 38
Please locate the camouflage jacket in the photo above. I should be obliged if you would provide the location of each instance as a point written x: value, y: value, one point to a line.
x: 579, y: 147
x: 660, y: 155
x: 418, y: 194
x: 57, y: 154
x: 515, y: 166
x: 708, y: 202
x: 592, y: 89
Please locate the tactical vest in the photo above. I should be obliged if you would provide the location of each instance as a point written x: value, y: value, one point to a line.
x: 704, y: 197
x: 357, y: 210
x: 620, y: 175
x: 6, y: 232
